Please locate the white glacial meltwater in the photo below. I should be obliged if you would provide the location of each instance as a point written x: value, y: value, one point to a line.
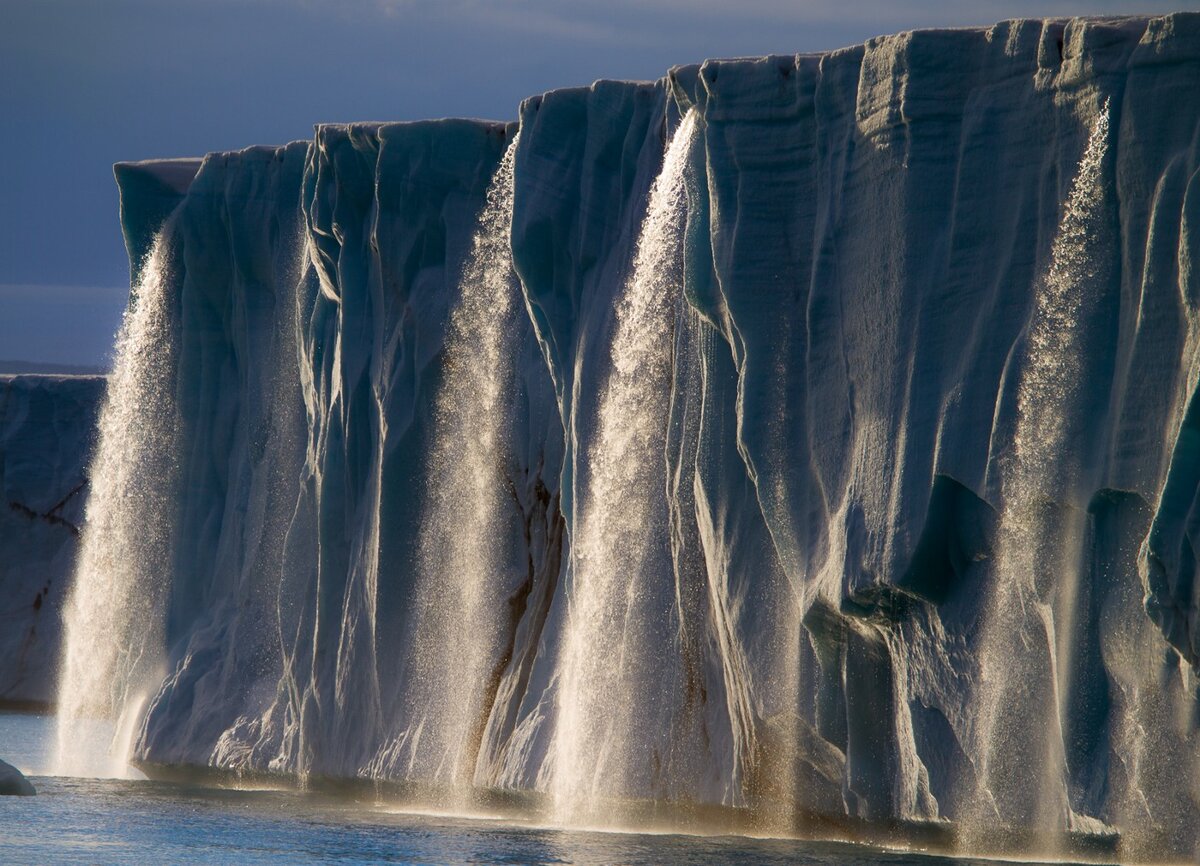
x: 462, y: 553
x: 608, y: 699
x: 114, y: 656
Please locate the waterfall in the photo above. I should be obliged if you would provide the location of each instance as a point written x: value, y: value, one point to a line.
x: 464, y: 548
x: 113, y: 617
x: 608, y: 667
x: 1028, y: 627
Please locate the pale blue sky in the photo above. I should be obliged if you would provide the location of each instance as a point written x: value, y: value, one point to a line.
x: 91, y: 82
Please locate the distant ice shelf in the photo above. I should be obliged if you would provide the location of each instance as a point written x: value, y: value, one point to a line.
x: 46, y: 431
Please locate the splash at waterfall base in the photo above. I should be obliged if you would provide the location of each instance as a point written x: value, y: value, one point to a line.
x: 802, y: 445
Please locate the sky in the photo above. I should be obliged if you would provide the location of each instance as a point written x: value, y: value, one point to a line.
x: 87, y: 83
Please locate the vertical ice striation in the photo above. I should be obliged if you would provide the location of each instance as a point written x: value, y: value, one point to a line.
x: 241, y: 441
x: 827, y: 474
x: 878, y: 291
x: 1027, y: 632
x: 114, y: 651
x: 465, y: 546
x: 614, y: 669
x: 585, y: 165
x: 46, y: 424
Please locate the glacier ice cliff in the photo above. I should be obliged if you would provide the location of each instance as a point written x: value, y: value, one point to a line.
x: 46, y: 430
x: 843, y: 445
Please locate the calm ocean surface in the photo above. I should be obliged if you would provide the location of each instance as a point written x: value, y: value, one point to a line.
x: 129, y: 821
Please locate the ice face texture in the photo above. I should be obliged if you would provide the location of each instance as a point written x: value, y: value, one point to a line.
x: 46, y: 429
x: 849, y: 466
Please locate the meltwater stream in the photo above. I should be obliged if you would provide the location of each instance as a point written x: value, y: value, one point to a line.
x: 462, y: 551
x: 114, y: 615
x: 841, y: 509
x: 610, y: 698
x: 1027, y: 637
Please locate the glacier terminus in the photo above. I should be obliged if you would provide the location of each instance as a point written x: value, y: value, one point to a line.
x: 804, y: 444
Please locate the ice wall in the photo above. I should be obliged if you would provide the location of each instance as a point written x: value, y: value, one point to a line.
x: 944, y: 268
x: 391, y: 212
x: 315, y: 286
x: 881, y: 509
x: 238, y: 252
x: 46, y: 426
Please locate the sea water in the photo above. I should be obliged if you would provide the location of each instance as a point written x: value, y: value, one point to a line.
x: 88, y: 820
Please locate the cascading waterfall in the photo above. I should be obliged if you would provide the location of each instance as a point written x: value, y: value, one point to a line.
x: 806, y: 562
x: 1027, y: 632
x: 113, y: 617
x: 607, y: 692
x: 464, y: 550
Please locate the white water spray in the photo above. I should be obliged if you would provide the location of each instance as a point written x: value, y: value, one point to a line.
x: 605, y: 674
x: 1027, y: 638
x: 113, y: 616
x: 463, y: 552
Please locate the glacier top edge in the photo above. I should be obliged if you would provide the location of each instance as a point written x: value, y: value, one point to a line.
x: 175, y: 174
